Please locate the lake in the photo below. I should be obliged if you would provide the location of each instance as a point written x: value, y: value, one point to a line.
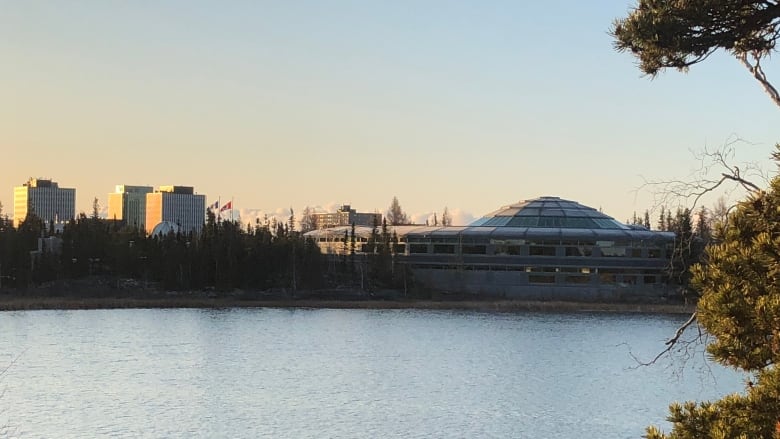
x: 319, y: 373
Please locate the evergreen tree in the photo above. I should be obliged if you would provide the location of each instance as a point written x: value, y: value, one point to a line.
x: 308, y: 220
x: 291, y: 221
x: 703, y: 225
x: 683, y: 255
x: 646, y: 221
x: 662, y: 220
x: 352, y: 250
x: 739, y: 307
x: 446, y: 218
x: 677, y: 34
x: 95, y: 209
x: 395, y: 214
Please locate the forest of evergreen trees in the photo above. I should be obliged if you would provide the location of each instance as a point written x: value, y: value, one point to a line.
x: 223, y: 257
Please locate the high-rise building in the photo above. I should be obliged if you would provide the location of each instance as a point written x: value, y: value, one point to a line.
x: 46, y: 199
x: 179, y: 205
x: 128, y: 204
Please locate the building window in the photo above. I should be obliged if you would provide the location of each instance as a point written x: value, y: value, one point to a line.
x: 654, y: 253
x: 577, y: 279
x: 444, y: 248
x: 579, y: 251
x: 613, y: 252
x: 512, y: 250
x: 541, y: 279
x: 418, y: 248
x: 537, y: 250
x: 606, y: 278
x: 474, y: 249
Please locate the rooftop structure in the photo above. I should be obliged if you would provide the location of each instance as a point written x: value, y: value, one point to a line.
x: 186, y: 190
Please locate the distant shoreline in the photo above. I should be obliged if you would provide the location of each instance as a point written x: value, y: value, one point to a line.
x: 18, y: 301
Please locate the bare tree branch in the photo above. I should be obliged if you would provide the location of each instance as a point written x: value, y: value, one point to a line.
x: 758, y: 72
x: 9, y: 365
x: 672, y: 342
x: 715, y: 171
x: 689, y: 191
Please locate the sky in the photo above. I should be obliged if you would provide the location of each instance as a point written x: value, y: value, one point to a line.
x: 464, y: 104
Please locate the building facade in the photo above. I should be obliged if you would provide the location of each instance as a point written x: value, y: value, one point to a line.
x: 128, y: 205
x: 546, y: 248
x: 46, y: 199
x: 179, y: 205
x: 346, y: 216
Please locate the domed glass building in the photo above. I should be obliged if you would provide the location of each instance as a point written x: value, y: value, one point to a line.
x: 543, y: 248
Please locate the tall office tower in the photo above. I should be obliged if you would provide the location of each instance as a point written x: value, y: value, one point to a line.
x: 128, y: 204
x: 46, y: 199
x: 178, y: 205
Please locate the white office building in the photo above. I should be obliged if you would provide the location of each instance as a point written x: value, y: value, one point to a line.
x: 179, y: 205
x: 46, y: 199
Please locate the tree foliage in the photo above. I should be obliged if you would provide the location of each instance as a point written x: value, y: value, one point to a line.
x: 680, y: 33
x: 740, y: 306
x: 224, y: 256
x: 446, y: 218
x: 308, y: 220
x: 395, y: 214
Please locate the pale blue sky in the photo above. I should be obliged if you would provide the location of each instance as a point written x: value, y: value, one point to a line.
x: 470, y: 105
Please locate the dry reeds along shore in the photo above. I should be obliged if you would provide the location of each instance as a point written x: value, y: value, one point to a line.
x: 10, y: 302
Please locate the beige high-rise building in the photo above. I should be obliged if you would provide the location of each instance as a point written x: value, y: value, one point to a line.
x: 128, y: 204
x: 46, y: 199
x: 179, y: 205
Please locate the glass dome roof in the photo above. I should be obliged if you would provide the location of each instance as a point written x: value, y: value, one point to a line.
x: 549, y: 212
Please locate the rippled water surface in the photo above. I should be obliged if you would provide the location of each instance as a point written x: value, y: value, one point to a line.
x: 341, y: 373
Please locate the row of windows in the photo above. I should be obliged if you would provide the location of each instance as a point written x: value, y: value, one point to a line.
x: 341, y: 239
x: 537, y: 250
x: 564, y: 275
x: 455, y: 240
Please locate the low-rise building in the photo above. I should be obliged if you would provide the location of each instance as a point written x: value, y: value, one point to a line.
x: 545, y: 248
x: 347, y: 216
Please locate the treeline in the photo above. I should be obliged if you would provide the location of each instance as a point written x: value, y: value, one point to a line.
x: 692, y: 237
x: 223, y: 257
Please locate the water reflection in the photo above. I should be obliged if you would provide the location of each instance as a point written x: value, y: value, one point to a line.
x: 341, y: 373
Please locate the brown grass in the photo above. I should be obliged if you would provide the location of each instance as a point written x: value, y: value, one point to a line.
x: 35, y: 302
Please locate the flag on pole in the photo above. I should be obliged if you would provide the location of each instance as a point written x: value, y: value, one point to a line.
x: 214, y: 206
x: 228, y: 205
